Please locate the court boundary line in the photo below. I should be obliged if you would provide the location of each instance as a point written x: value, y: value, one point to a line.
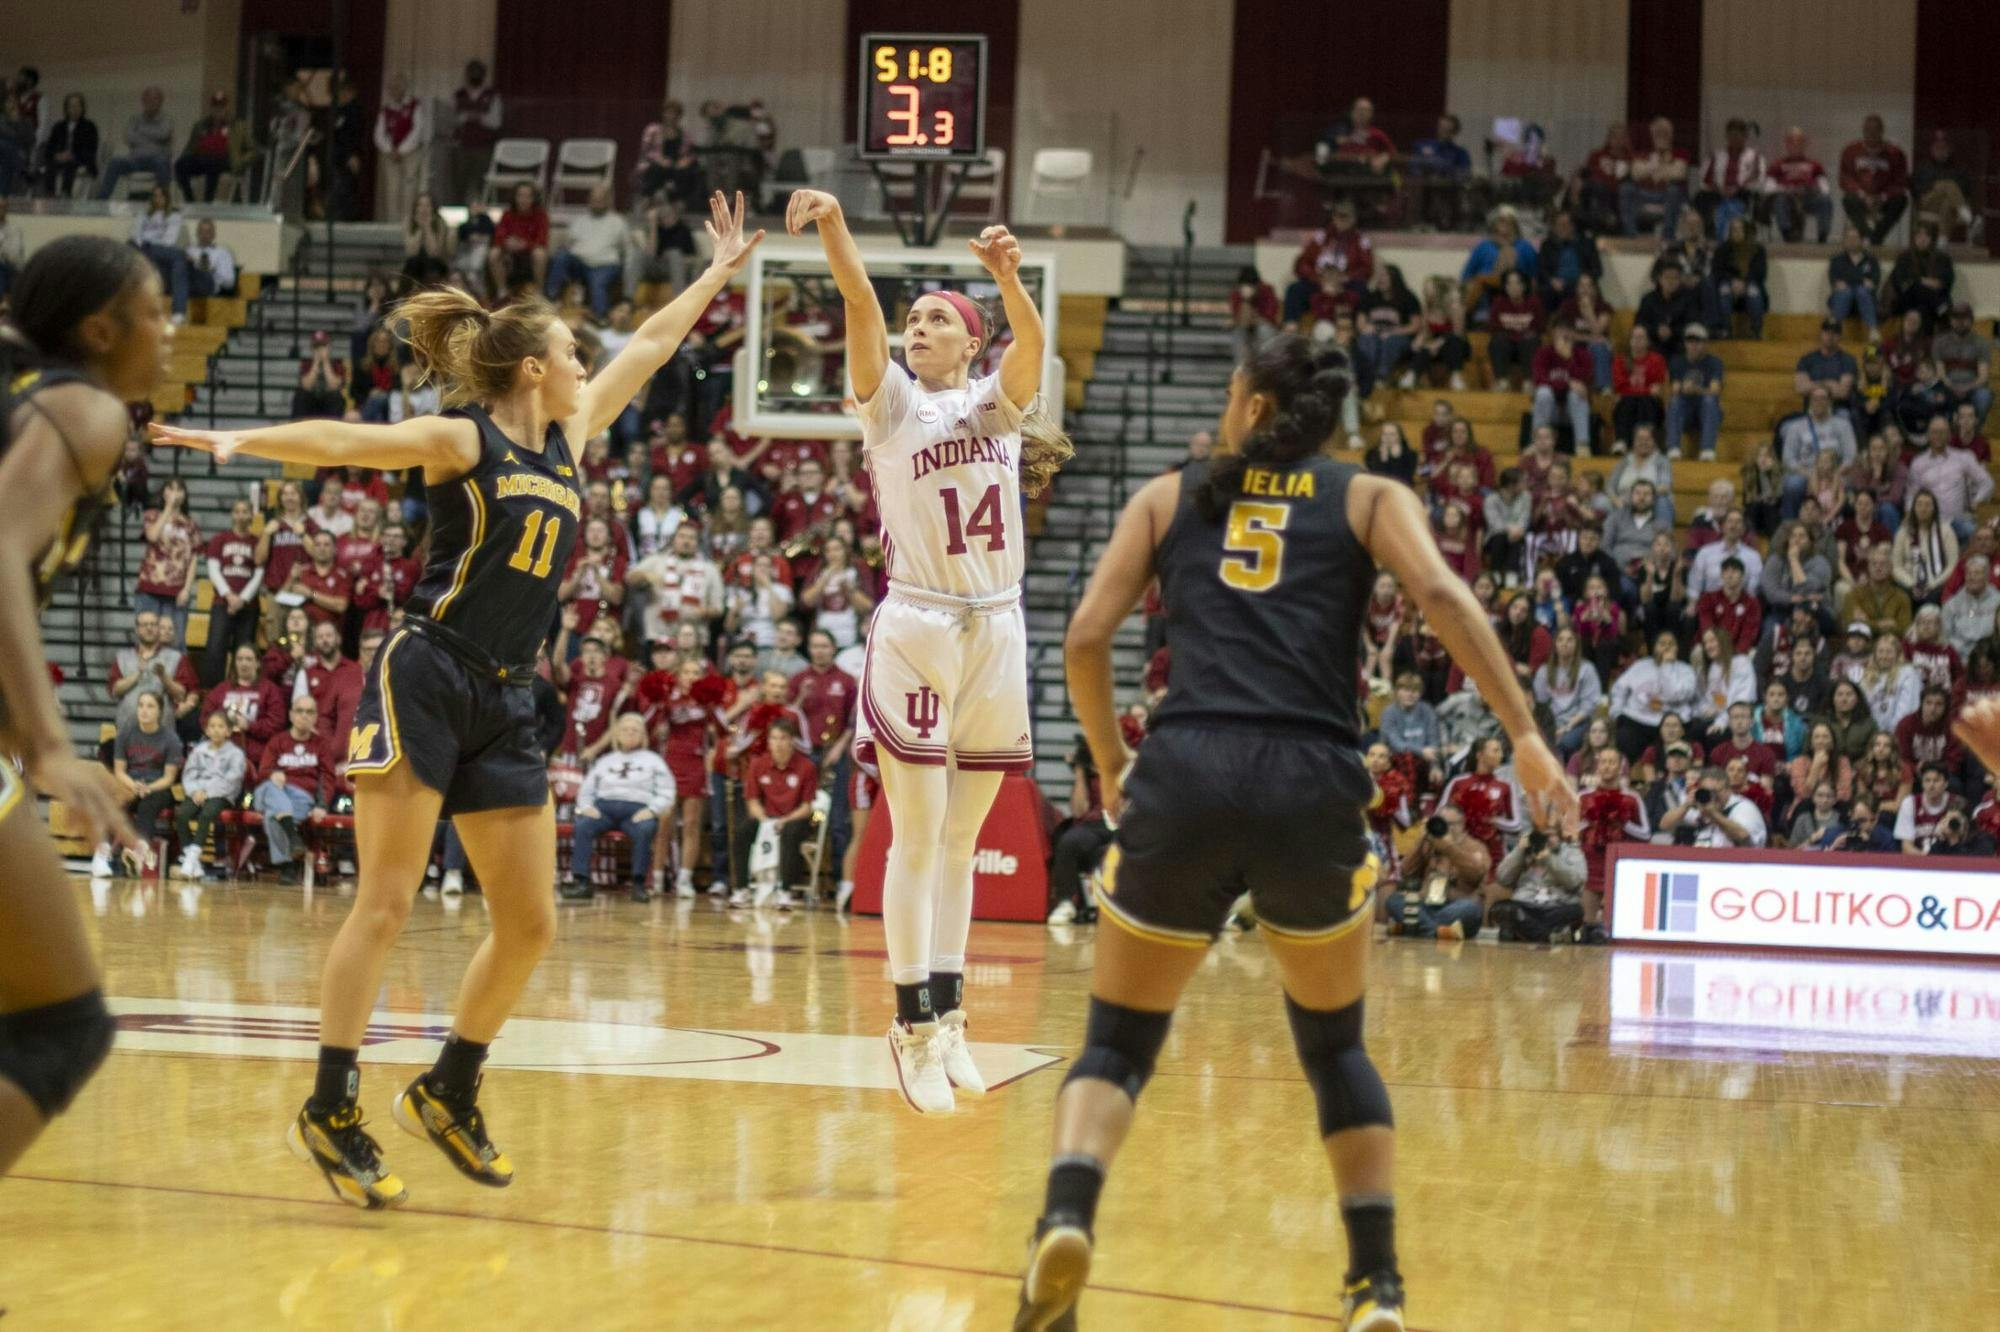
x: 628, y: 1232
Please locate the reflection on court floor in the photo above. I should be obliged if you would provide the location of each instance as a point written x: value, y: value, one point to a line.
x: 1769, y: 1006
x: 276, y: 1031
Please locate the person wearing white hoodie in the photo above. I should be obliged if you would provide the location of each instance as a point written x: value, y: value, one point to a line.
x: 211, y: 782
x: 626, y: 790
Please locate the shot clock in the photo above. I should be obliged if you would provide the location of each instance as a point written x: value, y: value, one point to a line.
x: 923, y: 97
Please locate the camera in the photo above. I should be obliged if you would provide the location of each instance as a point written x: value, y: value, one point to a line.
x: 1538, y: 841
x: 1435, y: 826
x: 1704, y: 796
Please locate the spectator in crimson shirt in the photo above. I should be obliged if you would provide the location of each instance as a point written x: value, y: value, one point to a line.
x: 1925, y: 736
x: 1338, y: 247
x: 399, y: 574
x: 670, y: 451
x: 333, y: 681
x: 1359, y: 146
x: 1742, y: 742
x: 327, y: 589
x: 1515, y: 316
x: 1799, y: 189
x: 520, y: 250
x: 168, y: 569
x: 596, y: 686
x: 236, y: 575
x: 1601, y: 177
x: 810, y: 509
x: 1638, y: 379
x: 826, y: 695
x: 359, y: 555
x: 594, y: 582
x: 1253, y: 311
x: 294, y: 781
x: 1732, y: 609
x: 1874, y: 182
x: 1562, y: 374
x: 251, y: 702
x: 778, y: 786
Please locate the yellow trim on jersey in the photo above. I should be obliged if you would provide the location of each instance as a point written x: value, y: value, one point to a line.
x: 11, y: 787
x: 1107, y: 885
x: 388, y: 717
x: 458, y: 575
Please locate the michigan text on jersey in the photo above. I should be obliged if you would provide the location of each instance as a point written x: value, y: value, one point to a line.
x: 516, y: 484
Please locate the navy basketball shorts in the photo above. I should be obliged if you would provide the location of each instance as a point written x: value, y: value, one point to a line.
x: 464, y: 732
x: 1213, y: 812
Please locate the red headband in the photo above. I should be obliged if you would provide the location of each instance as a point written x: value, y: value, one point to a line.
x: 969, y: 312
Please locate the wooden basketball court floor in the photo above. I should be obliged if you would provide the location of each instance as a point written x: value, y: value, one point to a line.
x: 698, y: 1105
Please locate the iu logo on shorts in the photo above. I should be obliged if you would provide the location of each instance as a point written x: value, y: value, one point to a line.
x: 923, y: 711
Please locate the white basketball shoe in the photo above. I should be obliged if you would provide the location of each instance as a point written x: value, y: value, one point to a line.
x: 920, y: 1068
x: 954, y: 1055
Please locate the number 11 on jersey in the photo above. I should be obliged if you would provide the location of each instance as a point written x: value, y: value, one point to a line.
x: 523, y: 556
x: 986, y: 521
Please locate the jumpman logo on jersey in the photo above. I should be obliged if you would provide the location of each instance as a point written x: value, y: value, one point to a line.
x: 923, y: 711
x: 511, y: 458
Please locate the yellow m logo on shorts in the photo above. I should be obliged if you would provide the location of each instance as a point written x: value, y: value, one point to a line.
x: 362, y: 739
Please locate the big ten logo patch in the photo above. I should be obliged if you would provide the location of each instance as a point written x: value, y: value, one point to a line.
x: 924, y: 707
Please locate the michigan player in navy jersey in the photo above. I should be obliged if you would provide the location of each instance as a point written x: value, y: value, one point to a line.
x: 1252, y: 781
x: 446, y: 724
x: 88, y: 334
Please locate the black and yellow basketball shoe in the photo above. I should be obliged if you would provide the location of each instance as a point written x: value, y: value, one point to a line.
x: 1058, y: 1265
x: 1373, y: 1303
x: 458, y: 1129
x: 341, y: 1149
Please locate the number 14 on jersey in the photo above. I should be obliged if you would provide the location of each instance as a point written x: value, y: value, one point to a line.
x: 986, y: 520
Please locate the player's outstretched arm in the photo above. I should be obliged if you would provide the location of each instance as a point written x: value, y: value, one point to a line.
x: 867, y: 331
x: 1123, y: 571
x: 444, y: 446
x: 656, y: 340
x: 1021, y: 364
x: 1390, y: 522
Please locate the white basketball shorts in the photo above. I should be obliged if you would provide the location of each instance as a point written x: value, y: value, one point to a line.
x: 946, y: 678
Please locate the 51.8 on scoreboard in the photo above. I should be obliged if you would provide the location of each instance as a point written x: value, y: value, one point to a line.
x: 923, y: 96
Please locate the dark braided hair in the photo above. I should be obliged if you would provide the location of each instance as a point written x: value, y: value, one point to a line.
x: 61, y: 285
x: 1308, y: 383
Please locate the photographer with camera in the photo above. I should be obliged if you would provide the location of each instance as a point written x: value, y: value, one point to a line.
x: 1442, y: 879
x: 1543, y: 876
x: 1958, y: 835
x: 1719, y: 817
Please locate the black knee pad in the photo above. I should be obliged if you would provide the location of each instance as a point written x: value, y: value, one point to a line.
x: 1120, y: 1045
x: 1343, y: 1077
x: 51, y: 1051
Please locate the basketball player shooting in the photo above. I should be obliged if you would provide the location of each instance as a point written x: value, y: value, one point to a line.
x: 944, y: 694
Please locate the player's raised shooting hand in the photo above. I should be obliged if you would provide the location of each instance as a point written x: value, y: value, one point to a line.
x: 807, y: 207
x: 725, y: 229
x: 1979, y: 727
x: 997, y: 251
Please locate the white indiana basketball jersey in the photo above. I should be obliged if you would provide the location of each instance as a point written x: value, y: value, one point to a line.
x: 946, y: 468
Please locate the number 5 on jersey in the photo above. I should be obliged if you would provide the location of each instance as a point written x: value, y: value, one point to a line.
x: 524, y: 557
x: 1255, y: 541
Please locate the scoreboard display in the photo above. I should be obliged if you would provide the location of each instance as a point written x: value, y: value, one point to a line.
x: 923, y: 97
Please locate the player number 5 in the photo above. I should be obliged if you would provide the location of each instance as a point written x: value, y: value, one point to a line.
x: 1256, y: 545
x: 523, y: 556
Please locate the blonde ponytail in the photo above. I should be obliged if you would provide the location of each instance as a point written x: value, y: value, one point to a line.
x: 469, y: 352
x: 1044, y: 448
